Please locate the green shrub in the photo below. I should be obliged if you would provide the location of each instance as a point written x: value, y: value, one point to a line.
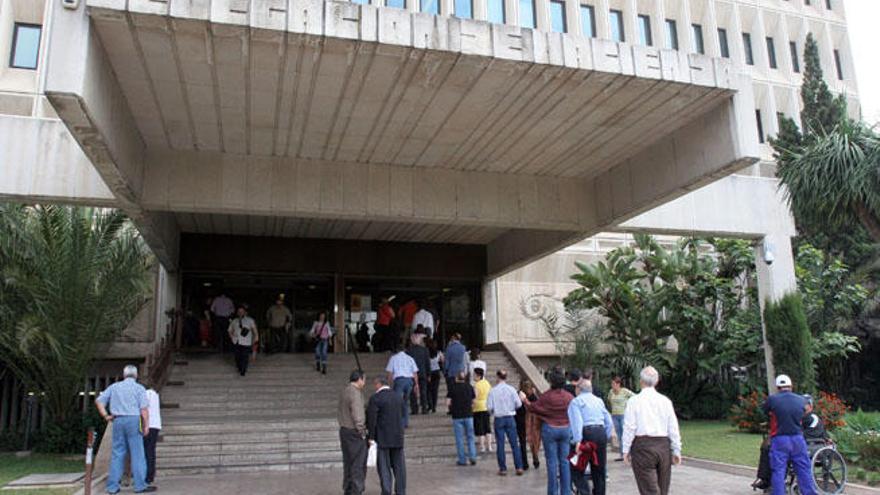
x: 860, y: 474
x: 873, y: 478
x: 862, y: 421
x: 69, y: 437
x: 791, y: 341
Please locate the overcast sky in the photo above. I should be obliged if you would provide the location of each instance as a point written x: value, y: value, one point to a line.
x: 862, y: 17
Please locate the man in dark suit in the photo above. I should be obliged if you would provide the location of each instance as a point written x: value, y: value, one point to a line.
x: 385, y: 427
x: 422, y: 357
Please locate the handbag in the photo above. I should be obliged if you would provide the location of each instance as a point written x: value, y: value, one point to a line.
x: 371, y: 455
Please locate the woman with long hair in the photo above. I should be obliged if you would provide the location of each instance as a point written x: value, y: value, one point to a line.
x: 321, y: 332
x: 528, y: 426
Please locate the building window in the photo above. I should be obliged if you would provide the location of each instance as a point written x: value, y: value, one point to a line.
x: 795, y: 62
x: 588, y: 21
x: 698, y: 39
x: 838, y: 65
x: 771, y: 53
x: 747, y: 49
x: 806, y: 2
x: 527, y: 13
x: 463, y: 9
x: 362, y: 2
x: 645, y: 37
x: 25, y: 46
x: 617, y: 32
x: 671, y: 35
x: 557, y: 16
x: 722, y: 43
x: 760, y: 126
x: 496, y: 12
x: 828, y: 4
x: 397, y: 4
x: 428, y: 6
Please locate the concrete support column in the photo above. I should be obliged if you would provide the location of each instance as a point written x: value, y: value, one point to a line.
x: 775, y: 280
x: 491, y: 332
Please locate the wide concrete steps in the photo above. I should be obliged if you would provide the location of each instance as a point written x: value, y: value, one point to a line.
x: 281, y: 416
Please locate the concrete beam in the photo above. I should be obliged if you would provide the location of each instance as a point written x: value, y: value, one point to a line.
x: 715, y: 144
x: 735, y: 206
x: 83, y: 89
x: 210, y: 182
x: 41, y: 163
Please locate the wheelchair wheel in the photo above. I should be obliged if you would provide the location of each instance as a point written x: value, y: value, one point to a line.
x: 829, y: 471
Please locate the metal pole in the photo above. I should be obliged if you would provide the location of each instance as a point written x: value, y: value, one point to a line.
x: 90, y: 445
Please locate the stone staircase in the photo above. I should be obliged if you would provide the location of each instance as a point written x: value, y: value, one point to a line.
x: 281, y: 416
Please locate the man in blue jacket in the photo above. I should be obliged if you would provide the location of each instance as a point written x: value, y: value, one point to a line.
x: 455, y: 359
x: 787, y: 444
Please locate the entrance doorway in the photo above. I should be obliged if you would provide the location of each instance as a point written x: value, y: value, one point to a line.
x: 456, y: 307
x: 305, y: 296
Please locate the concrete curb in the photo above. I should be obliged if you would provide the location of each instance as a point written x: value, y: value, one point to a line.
x: 749, y: 472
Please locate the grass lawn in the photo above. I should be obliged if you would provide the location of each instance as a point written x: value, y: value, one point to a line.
x: 12, y: 468
x: 719, y: 441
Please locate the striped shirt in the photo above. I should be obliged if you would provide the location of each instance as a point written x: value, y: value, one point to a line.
x: 126, y: 398
x: 503, y: 401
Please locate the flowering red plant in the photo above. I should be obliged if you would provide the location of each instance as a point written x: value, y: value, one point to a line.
x: 831, y: 409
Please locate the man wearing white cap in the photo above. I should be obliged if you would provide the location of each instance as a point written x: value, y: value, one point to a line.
x: 787, y: 444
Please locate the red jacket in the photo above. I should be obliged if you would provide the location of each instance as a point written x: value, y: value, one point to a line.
x: 552, y: 407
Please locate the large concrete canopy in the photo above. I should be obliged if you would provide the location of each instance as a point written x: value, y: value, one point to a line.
x: 375, y: 123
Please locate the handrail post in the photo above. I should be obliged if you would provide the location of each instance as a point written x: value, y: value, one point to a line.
x: 90, y: 444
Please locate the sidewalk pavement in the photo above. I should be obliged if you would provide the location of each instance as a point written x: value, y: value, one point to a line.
x: 443, y: 478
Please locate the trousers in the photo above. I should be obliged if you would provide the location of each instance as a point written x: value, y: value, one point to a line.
x: 242, y: 358
x: 127, y: 440
x: 150, y: 453
x: 791, y: 448
x: 392, y: 470
x: 354, y: 461
x: 652, y: 464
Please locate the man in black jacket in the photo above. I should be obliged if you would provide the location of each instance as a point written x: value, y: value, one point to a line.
x: 422, y: 357
x: 385, y: 426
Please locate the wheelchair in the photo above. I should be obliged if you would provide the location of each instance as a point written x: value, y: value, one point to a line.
x: 829, y: 469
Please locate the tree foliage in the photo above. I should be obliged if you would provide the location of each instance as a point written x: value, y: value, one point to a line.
x: 789, y: 336
x: 689, y: 299
x: 70, y: 280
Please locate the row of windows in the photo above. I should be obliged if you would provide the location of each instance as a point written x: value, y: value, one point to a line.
x: 827, y: 3
x: 25, y: 46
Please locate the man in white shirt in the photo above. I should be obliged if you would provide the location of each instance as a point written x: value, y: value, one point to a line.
x: 243, y: 333
x: 502, y: 404
x: 403, y: 373
x: 651, y: 439
x: 424, y: 318
x: 155, y: 424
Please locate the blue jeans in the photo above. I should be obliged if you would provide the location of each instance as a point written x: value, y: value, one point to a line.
x: 321, y: 351
x: 127, y: 439
x: 556, y: 445
x: 403, y: 386
x: 464, y: 432
x: 617, y: 419
x: 791, y: 448
x: 506, y: 426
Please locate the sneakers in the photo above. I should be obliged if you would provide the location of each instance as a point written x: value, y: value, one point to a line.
x: 519, y: 472
x: 473, y: 462
x: 502, y: 473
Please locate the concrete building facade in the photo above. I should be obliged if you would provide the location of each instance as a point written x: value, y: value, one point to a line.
x: 463, y: 139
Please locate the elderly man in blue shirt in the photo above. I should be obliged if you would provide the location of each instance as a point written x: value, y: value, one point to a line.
x: 403, y: 373
x: 590, y: 421
x: 128, y: 406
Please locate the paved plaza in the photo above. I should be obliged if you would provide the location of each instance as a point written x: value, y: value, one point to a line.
x: 442, y: 479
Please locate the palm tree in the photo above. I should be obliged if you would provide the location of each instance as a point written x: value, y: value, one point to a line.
x: 71, y: 279
x: 834, y: 180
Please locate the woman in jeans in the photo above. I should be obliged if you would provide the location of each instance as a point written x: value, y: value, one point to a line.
x: 617, y: 399
x: 321, y: 331
x: 552, y: 408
